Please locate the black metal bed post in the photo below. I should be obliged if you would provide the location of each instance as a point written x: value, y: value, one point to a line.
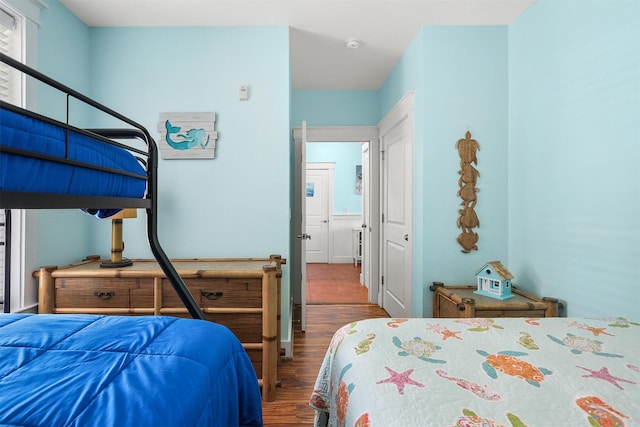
x: 152, y: 232
x: 6, y: 305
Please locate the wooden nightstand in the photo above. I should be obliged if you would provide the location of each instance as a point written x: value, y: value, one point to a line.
x: 461, y: 301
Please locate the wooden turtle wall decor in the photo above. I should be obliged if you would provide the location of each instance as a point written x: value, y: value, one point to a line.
x: 468, y: 220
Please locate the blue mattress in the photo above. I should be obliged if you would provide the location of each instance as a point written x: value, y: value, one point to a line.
x: 26, y: 174
x: 88, y: 370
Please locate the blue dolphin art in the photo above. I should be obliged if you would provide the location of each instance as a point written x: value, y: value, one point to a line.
x: 193, y: 137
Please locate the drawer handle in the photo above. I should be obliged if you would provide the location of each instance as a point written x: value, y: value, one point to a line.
x: 104, y: 295
x: 211, y: 295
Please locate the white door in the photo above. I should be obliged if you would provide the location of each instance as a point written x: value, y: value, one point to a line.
x: 317, y: 193
x: 302, y: 234
x: 365, y: 272
x: 396, y: 210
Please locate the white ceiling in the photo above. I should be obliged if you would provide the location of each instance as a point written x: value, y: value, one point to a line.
x: 318, y: 28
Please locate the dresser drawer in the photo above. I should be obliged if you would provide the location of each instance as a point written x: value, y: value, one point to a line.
x: 142, y: 295
x: 231, y: 293
x: 92, y: 293
x: 216, y: 293
x: 246, y: 326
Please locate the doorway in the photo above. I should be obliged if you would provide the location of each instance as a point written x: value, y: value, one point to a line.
x: 358, y: 134
x: 334, y: 216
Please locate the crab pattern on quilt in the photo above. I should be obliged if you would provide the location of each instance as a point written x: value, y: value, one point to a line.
x: 491, y: 372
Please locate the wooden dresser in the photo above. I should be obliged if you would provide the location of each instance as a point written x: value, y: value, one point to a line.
x: 461, y: 301
x: 242, y: 294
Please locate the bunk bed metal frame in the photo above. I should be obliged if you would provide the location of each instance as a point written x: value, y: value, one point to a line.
x: 6, y: 243
x: 25, y: 200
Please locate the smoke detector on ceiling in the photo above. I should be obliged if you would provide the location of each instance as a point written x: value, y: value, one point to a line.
x: 352, y: 43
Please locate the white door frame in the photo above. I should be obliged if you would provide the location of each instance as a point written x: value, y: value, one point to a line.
x: 338, y: 134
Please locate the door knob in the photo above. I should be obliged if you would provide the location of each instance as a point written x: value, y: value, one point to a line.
x: 304, y: 236
x: 406, y: 237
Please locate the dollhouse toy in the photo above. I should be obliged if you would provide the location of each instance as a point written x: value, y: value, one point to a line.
x: 494, y: 280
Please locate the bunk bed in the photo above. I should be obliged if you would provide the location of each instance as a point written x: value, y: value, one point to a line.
x: 107, y: 370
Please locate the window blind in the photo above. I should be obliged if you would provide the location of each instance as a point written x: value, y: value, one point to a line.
x: 10, y: 44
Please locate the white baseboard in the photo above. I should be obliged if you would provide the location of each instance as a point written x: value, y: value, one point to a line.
x: 288, y: 349
x: 287, y: 345
x: 33, y: 308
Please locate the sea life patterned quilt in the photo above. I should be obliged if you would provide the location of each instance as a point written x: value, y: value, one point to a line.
x: 511, y: 372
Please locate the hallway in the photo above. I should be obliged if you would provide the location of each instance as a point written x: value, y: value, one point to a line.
x: 335, y: 284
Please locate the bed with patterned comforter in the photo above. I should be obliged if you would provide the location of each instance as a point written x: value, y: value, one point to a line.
x: 481, y: 372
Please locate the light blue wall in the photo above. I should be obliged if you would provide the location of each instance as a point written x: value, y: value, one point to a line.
x: 234, y: 205
x: 574, y: 145
x: 64, y: 236
x: 345, y: 156
x: 553, y: 100
x: 465, y: 88
x: 335, y: 108
x: 459, y: 75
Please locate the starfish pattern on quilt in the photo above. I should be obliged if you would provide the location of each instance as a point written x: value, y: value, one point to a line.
x: 595, y: 331
x: 400, y: 379
x: 442, y: 330
x: 604, y: 374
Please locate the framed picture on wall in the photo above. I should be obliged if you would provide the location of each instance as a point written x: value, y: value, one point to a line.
x: 187, y: 135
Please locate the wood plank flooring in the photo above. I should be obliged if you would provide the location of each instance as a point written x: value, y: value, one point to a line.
x: 298, y: 374
x: 335, y: 284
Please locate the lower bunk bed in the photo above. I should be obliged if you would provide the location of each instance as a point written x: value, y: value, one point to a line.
x: 90, y: 370
x: 481, y: 372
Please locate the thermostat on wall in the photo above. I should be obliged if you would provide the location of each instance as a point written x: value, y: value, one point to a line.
x: 244, y: 92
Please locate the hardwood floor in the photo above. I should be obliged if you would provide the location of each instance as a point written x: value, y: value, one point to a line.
x: 335, y: 284
x: 298, y: 374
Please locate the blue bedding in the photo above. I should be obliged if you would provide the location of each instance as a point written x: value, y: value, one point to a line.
x: 88, y: 370
x: 26, y: 174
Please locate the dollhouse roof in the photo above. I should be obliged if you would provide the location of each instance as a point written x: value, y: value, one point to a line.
x: 499, y: 269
